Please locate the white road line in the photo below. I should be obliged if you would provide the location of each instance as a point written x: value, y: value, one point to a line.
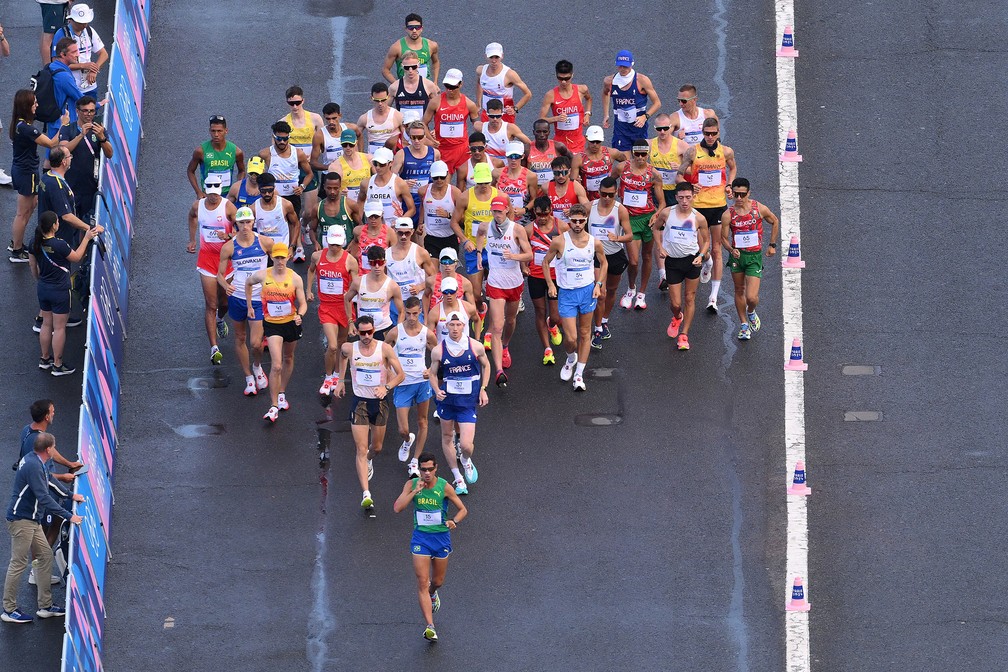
x: 337, y: 83
x: 797, y: 653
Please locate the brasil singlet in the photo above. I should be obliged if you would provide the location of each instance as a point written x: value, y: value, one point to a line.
x: 279, y: 298
x: 431, y: 508
x: 219, y: 162
x: 423, y: 53
x: 747, y: 229
x: 246, y: 261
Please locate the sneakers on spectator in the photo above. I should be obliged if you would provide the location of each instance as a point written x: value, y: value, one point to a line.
x: 51, y: 612
x: 15, y: 617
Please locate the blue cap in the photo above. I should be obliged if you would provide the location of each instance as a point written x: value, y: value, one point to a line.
x: 624, y: 58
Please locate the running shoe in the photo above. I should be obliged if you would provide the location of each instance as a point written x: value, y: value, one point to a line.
x: 548, y: 357
x: 61, y: 370
x: 640, y: 303
x: 222, y: 328
x: 435, y: 602
x: 52, y: 611
x: 705, y: 270
x: 673, y: 326
x: 437, y: 418
x: 370, y: 469
x: 75, y: 322
x: 556, y: 338
x: 37, y: 325
x: 326, y: 388
x: 45, y: 363
x: 406, y: 447
x: 15, y: 617
x: 627, y: 300
x: 18, y: 256
x: 413, y: 471
x: 299, y: 253
x: 216, y: 356
x: 712, y: 305
x: 6, y: 180
x: 10, y: 246
x: 521, y: 305
x: 366, y: 502
x: 501, y: 379
x: 282, y: 402
x: 754, y: 321
x: 262, y: 382
x: 682, y: 342
x: 430, y: 634
x: 506, y: 358
x: 471, y: 473
x: 272, y: 414
x: 744, y: 332
x: 663, y: 285
x: 567, y: 372
x: 579, y: 383
x: 597, y: 339
x: 250, y: 387
x: 606, y: 334
x: 486, y: 341
x: 460, y: 487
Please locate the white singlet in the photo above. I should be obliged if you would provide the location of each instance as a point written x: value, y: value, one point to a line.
x: 272, y: 223
x: 577, y: 267
x: 286, y: 171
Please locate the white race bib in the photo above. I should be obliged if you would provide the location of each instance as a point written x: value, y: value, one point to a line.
x: 331, y: 286
x: 538, y: 257
x: 572, y: 123
x: 367, y: 377
x: 517, y: 200
x: 594, y: 183
x: 455, y: 386
x: 428, y: 517
x: 635, y: 199
x: 411, y: 113
x: 601, y: 231
x: 710, y: 178
x: 544, y: 175
x: 278, y: 308
x: 745, y: 239
x: 681, y: 235
x: 412, y: 363
x: 627, y: 115
x: 452, y: 129
x: 668, y: 176
x: 580, y: 274
x: 210, y: 233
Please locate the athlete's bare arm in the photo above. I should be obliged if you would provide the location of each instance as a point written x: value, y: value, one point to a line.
x: 292, y: 224
x: 646, y: 87
x: 606, y: 100
x: 516, y: 81
x: 194, y: 163
x: 393, y: 54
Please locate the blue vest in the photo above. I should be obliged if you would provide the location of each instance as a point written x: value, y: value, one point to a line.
x: 460, y: 368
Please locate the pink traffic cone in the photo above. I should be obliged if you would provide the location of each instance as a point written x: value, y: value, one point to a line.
x: 787, y: 49
x: 798, y: 601
x: 793, y: 258
x: 798, y: 486
x: 796, y: 363
x: 791, y: 154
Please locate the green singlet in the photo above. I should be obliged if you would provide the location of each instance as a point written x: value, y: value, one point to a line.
x: 219, y: 162
x: 431, y: 506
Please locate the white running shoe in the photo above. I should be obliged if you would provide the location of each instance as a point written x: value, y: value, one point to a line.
x: 627, y: 300
x: 471, y: 474
x: 640, y: 303
x: 567, y: 372
x: 521, y: 305
x: 272, y: 414
x: 579, y: 383
x: 712, y: 304
x: 326, y: 388
x: 5, y: 179
x: 262, y: 382
x: 413, y: 471
x: 370, y: 469
x: 460, y: 487
x: 705, y: 271
x: 406, y: 447
x: 299, y: 253
x: 282, y: 402
x: 250, y: 387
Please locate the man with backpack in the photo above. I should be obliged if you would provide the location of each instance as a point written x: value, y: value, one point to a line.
x: 56, y: 88
x: 92, y: 54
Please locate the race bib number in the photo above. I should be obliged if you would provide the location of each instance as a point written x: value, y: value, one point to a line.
x: 572, y: 123
x: 562, y: 216
x: 668, y: 176
x: 331, y: 286
x: 627, y: 115
x: 601, y: 231
x: 423, y: 70
x: 225, y: 177
x: 594, y: 183
x: 544, y: 176
x: 452, y: 129
x: 680, y: 235
x: 694, y: 137
x: 580, y: 275
x: 746, y: 239
x: 428, y: 517
x: 453, y: 386
x: 517, y: 200
x: 635, y: 199
x: 411, y: 113
x: 278, y: 308
x: 365, y: 263
x: 210, y: 233
x: 538, y: 257
x: 710, y: 178
x: 412, y: 363
x: 367, y: 377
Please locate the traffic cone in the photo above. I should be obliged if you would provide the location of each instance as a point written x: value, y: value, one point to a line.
x: 798, y: 601
x: 796, y: 363
x: 791, y: 154
x: 793, y: 258
x: 798, y: 486
x: 787, y: 49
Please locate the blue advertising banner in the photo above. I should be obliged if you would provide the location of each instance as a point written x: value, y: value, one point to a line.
x: 106, y: 334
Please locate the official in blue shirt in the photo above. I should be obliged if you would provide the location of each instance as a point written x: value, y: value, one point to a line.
x: 30, y: 501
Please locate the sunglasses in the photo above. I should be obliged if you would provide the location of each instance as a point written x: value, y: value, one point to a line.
x: 476, y: 148
x: 374, y: 216
x: 595, y: 142
x: 378, y: 163
x: 565, y: 78
x: 514, y: 157
x: 662, y: 128
x: 495, y: 116
x: 683, y: 101
x: 449, y: 292
x: 711, y: 134
x: 348, y: 144
x: 281, y: 138
x: 266, y: 190
x: 417, y: 137
x: 446, y: 261
x: 607, y: 194
x: 740, y: 194
x: 405, y: 233
x: 295, y: 103
x: 439, y: 177
x: 428, y: 468
x: 380, y: 100
x: 561, y: 172
x: 217, y: 119
x: 452, y: 86
x: 640, y: 155
x: 411, y: 67
x: 378, y: 262
x: 365, y: 332
x: 414, y: 26
x: 578, y: 220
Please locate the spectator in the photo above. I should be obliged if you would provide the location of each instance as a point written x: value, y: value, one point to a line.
x: 25, y: 167
x: 55, y: 194
x: 64, y: 83
x: 30, y: 500
x: 42, y: 413
x: 50, y: 261
x: 5, y: 179
x: 92, y: 53
x: 86, y: 140
x: 54, y: 16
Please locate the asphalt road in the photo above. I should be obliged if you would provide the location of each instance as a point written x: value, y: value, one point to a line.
x: 656, y: 543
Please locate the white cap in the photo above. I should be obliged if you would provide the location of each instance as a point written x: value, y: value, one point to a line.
x: 373, y: 208
x: 456, y: 316
x: 453, y: 77
x: 213, y: 185
x: 451, y: 284
x: 494, y: 49
x: 383, y: 155
x: 336, y: 235
x: 439, y: 169
x: 514, y: 147
x: 449, y: 252
x: 81, y: 13
x: 595, y: 133
x: 404, y: 224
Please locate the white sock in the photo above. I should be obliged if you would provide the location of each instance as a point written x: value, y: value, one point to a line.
x: 661, y: 273
x: 367, y: 493
x: 467, y: 462
x: 457, y: 474
x: 631, y: 290
x: 715, y: 285
x: 579, y: 369
x: 605, y: 320
x: 571, y: 358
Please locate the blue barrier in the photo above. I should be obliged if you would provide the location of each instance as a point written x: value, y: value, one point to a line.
x: 106, y: 335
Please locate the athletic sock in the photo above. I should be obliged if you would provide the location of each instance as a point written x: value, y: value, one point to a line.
x: 457, y: 473
x: 605, y: 320
x: 715, y: 285
x: 467, y: 462
x: 571, y: 358
x: 661, y: 273
x: 579, y: 369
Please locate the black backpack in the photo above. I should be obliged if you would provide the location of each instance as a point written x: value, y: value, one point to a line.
x: 48, y: 110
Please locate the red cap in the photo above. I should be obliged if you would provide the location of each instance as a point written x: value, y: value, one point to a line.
x: 500, y: 203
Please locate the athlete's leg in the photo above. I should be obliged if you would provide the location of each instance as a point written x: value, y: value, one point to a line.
x: 752, y: 284
x: 467, y: 436
x: 46, y: 335
x: 210, y: 287
x: 647, y: 256
x: 689, y: 303
x: 377, y: 438
x: 715, y: 235
x: 276, y: 348
x: 739, y: 282
x: 360, y: 437
x: 222, y: 302
x: 423, y: 409
x: 288, y: 364
x: 402, y: 419
x: 422, y: 567
x: 633, y: 249
x: 675, y: 292
x: 439, y: 568
x: 570, y: 334
x: 584, y: 328
x: 496, y: 328
x: 510, y: 317
x: 241, y: 347
x: 331, y: 331
x: 447, y: 445
x: 255, y: 330
x: 540, y: 318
